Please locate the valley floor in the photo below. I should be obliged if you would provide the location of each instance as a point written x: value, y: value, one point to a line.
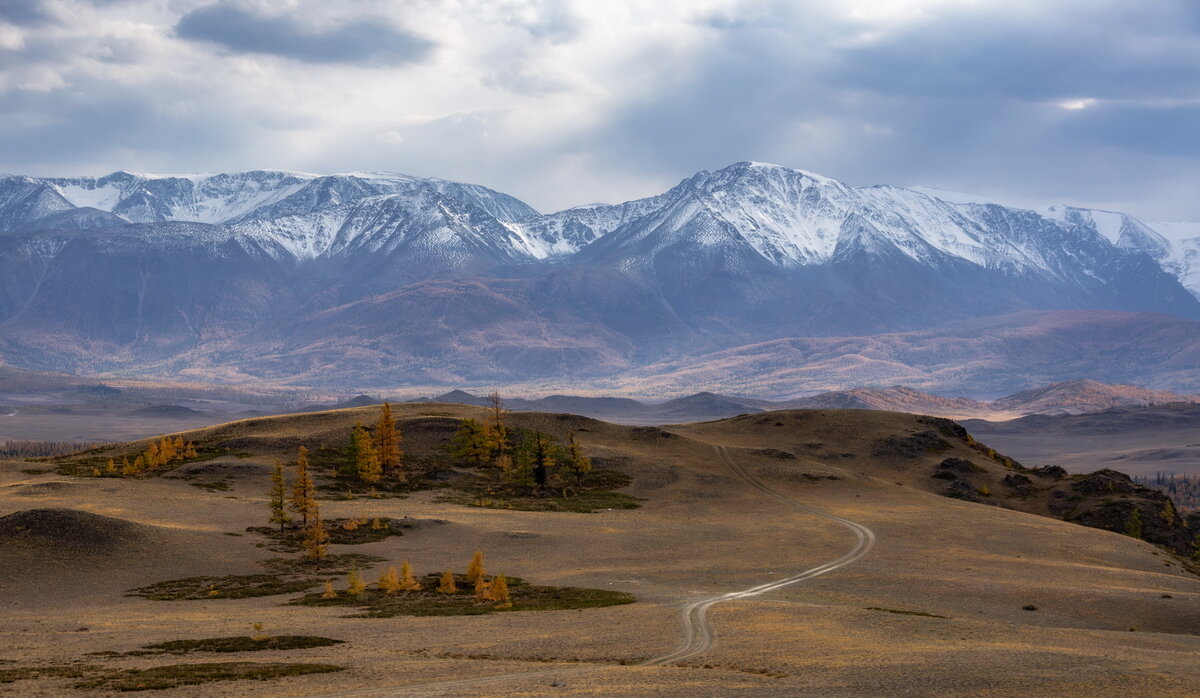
x: 935, y: 608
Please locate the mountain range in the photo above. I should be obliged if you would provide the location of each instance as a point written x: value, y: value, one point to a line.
x: 1065, y: 398
x: 752, y: 273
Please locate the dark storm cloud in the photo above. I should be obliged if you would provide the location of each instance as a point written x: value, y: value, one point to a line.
x: 24, y: 12
x: 362, y: 40
x: 97, y: 126
x: 1105, y: 52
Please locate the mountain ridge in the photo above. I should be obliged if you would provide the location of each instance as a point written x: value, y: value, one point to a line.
x: 387, y: 279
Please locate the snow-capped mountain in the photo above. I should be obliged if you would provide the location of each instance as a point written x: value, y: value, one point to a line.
x: 25, y: 200
x: 286, y: 274
x: 1182, y: 255
x: 1175, y: 245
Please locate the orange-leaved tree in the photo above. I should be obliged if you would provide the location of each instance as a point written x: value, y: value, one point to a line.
x: 387, y: 443
x: 304, y: 491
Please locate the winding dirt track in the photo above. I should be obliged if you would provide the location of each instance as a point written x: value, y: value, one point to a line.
x: 698, y: 633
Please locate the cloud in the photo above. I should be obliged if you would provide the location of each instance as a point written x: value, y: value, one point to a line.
x: 370, y: 40
x: 24, y: 12
x: 563, y: 102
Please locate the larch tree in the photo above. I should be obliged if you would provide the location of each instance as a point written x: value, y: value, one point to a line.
x: 279, y: 513
x: 387, y: 444
x: 1133, y: 526
x: 407, y: 581
x: 483, y: 590
x: 316, y: 540
x: 475, y: 569
x: 389, y: 581
x: 470, y: 444
x: 545, y: 459
x: 579, y: 464
x: 500, y: 592
x: 519, y: 470
x: 496, y: 431
x: 304, y: 490
x: 354, y: 582
x: 448, y: 585
x: 366, y: 458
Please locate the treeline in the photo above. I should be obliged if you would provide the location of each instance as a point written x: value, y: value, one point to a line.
x: 1183, y: 488
x: 43, y: 449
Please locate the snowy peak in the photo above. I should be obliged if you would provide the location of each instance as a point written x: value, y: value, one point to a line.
x: 196, y: 198
x: 24, y: 200
x: 265, y: 194
x: 748, y: 215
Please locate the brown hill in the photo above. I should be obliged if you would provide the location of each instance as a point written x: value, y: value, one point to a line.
x: 991, y: 356
x: 897, y: 398
x: 72, y: 532
x: 1080, y: 396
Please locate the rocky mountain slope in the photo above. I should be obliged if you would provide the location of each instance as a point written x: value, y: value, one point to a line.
x: 385, y: 279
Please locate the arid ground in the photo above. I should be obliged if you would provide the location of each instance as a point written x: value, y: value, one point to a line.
x: 954, y: 598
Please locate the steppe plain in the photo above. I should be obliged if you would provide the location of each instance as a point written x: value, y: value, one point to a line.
x: 938, y: 606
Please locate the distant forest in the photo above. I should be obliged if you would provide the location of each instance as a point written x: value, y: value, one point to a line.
x: 42, y: 449
x: 1183, y: 489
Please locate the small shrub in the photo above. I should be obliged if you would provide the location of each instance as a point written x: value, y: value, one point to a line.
x: 174, y: 675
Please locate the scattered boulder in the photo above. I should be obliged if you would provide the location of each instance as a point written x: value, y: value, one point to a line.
x: 1021, y: 485
x: 921, y: 443
x: 1159, y: 522
x: 1105, y: 481
x: 962, y: 490
x: 651, y: 433
x: 959, y: 465
x: 1053, y: 472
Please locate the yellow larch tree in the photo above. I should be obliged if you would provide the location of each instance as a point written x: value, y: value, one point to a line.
x: 304, y: 490
x: 389, y: 580
x: 483, y: 590
x: 151, y: 456
x: 496, y: 431
x: 387, y: 444
x: 366, y: 458
x: 407, y: 581
x: 579, y: 464
x: 475, y: 569
x: 354, y: 582
x: 448, y: 585
x: 316, y: 540
x: 500, y: 592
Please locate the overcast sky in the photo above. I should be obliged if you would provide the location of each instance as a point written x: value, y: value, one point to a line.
x: 1094, y: 102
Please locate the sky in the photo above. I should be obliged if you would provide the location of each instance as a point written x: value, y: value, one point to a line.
x: 1088, y: 102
